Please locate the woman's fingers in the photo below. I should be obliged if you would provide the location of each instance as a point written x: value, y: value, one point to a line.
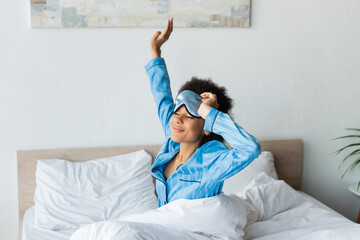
x: 210, y: 99
x: 168, y: 29
x: 159, y: 38
x: 164, y: 33
x: 156, y: 35
x: 153, y: 41
x: 207, y: 95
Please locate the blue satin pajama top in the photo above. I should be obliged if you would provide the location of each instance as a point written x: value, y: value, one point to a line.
x: 204, y: 173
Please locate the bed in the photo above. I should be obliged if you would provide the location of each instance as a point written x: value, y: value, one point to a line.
x: 282, y: 218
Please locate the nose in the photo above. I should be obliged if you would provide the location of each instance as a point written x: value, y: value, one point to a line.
x: 177, y: 118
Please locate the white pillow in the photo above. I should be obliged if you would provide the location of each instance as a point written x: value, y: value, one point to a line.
x: 264, y: 163
x: 71, y: 194
x: 268, y: 197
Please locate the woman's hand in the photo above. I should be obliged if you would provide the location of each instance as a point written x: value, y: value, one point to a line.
x: 209, y: 101
x: 160, y: 38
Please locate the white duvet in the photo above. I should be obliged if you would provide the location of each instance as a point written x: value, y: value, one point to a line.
x: 219, y: 217
x: 266, y: 209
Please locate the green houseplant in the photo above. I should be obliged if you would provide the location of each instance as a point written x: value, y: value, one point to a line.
x: 354, y: 153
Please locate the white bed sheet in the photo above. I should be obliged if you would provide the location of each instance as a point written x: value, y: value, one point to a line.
x: 32, y: 232
x: 319, y: 204
x: 279, y: 212
x: 292, y: 215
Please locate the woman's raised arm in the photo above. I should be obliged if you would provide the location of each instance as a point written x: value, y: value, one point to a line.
x: 159, y: 78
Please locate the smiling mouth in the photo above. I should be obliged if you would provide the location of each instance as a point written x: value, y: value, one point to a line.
x: 175, y: 129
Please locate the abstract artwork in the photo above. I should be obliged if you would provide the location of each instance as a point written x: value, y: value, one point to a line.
x: 139, y: 13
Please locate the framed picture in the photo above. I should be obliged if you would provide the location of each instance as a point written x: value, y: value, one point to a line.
x: 139, y: 13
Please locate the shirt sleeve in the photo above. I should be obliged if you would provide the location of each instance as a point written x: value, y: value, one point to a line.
x: 160, y: 88
x: 246, y: 147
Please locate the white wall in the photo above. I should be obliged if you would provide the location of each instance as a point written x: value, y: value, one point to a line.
x: 294, y: 74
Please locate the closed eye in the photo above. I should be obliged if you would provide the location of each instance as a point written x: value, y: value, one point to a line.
x: 189, y: 117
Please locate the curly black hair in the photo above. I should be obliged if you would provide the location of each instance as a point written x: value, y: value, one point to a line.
x: 199, y: 86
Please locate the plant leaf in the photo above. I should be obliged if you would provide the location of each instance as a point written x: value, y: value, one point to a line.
x: 347, y: 136
x: 350, y: 145
x: 351, y: 167
x: 354, y: 129
x: 354, y: 165
x: 353, y: 153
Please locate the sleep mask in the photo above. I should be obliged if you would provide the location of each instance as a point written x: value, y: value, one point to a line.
x: 191, y: 100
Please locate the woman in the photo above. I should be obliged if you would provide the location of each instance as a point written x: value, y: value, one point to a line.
x: 193, y: 161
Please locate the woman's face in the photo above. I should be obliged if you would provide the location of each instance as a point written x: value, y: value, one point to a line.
x: 186, y: 128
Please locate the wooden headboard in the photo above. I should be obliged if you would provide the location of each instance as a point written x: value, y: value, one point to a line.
x: 287, y: 154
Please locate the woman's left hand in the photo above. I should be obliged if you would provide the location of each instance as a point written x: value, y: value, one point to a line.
x: 160, y: 38
x: 209, y: 101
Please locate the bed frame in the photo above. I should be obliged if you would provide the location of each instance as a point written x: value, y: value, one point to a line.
x: 287, y: 153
